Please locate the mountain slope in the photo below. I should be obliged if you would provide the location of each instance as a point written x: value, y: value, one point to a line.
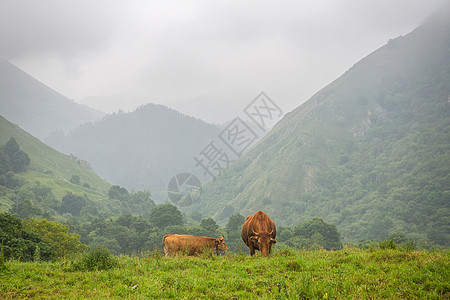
x: 50, y: 167
x: 37, y: 108
x: 143, y: 149
x: 370, y: 152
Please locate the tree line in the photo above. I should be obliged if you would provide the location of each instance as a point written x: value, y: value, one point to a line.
x: 130, y: 233
x: 31, y: 239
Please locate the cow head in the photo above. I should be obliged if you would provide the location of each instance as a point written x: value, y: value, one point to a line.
x: 220, y: 245
x: 263, y: 241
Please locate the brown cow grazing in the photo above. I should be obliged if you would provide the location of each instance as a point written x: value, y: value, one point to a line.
x: 192, y: 245
x: 259, y: 232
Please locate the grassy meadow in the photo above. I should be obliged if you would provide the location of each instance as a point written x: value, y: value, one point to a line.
x: 350, y: 273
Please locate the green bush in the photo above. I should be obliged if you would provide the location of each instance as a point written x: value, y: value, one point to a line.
x: 398, y: 240
x: 21, y: 243
x: 388, y: 244
x: 98, y: 258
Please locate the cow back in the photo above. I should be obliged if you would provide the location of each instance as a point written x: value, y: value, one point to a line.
x: 192, y: 245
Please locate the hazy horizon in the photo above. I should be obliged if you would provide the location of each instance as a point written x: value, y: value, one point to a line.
x: 207, y: 59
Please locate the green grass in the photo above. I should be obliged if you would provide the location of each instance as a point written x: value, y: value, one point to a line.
x: 50, y: 167
x: 46, y: 160
x: 61, y: 186
x: 287, y: 274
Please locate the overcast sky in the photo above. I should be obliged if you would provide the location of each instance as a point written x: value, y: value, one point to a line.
x: 206, y: 58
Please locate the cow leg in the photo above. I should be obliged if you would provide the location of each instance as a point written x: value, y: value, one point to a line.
x: 252, y: 249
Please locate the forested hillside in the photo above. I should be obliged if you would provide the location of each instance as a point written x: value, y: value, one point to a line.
x: 37, y: 108
x: 37, y: 181
x: 143, y: 149
x: 45, y: 161
x: 370, y: 152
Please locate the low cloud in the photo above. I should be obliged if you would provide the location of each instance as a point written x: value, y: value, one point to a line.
x: 167, y: 51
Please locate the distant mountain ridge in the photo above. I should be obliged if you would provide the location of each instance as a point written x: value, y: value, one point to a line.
x: 370, y: 152
x: 37, y: 108
x: 140, y: 150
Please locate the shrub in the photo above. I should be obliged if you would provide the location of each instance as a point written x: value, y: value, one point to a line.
x: 398, y: 240
x: 21, y: 243
x: 64, y: 242
x: 388, y: 244
x: 98, y: 258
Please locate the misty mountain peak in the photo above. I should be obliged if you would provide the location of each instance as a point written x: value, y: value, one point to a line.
x: 37, y: 108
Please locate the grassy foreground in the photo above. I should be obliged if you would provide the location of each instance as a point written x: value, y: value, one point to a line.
x: 287, y: 274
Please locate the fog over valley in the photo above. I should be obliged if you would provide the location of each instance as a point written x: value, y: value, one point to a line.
x: 207, y: 59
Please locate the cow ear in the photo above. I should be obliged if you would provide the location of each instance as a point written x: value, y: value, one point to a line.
x: 217, y: 242
x: 273, y: 241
